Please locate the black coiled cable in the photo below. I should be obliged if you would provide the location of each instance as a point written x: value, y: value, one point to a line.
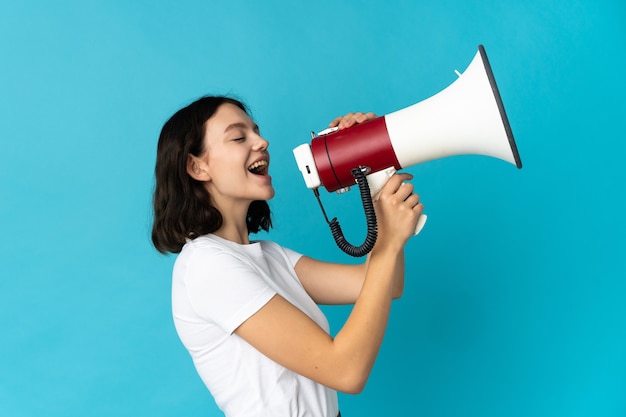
x: 370, y: 217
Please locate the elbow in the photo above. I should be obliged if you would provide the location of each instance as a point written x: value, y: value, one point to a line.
x: 353, y: 384
x: 353, y: 388
x: 397, y: 293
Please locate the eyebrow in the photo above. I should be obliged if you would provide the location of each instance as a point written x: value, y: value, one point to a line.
x: 240, y: 125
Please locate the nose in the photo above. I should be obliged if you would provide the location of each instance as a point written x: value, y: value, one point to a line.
x: 261, y: 144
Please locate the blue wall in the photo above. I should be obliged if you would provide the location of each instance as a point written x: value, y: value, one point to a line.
x: 515, y: 296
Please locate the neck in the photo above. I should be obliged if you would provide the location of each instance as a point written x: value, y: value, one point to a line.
x: 234, y: 226
x: 233, y: 233
x: 234, y: 214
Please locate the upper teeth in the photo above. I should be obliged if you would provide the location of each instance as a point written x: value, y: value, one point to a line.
x: 257, y: 165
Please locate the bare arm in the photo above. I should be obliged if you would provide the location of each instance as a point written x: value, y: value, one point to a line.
x: 332, y: 283
x: 286, y: 335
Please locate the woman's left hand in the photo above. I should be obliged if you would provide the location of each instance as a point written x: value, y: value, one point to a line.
x: 351, y: 119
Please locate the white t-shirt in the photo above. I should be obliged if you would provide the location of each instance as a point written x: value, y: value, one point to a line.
x: 219, y: 284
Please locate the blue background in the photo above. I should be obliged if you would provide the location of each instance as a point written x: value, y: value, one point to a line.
x: 515, y: 295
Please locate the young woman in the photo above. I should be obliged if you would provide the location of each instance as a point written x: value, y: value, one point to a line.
x: 247, y: 310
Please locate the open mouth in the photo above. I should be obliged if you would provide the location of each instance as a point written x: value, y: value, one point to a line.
x: 259, y: 167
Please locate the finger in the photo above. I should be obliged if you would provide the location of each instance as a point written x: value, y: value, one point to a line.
x: 413, y: 200
x: 396, y: 181
x: 363, y: 117
x: 341, y: 120
x: 351, y: 119
x: 348, y: 120
x: 418, y: 208
x: 335, y: 121
x: 405, y: 191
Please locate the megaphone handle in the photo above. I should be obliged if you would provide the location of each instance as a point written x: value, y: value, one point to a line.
x: 377, y: 181
x: 420, y: 223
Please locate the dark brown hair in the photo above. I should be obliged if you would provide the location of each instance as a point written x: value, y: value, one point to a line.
x: 182, y: 205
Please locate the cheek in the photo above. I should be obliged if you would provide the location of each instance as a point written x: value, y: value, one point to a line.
x: 222, y: 166
x: 226, y: 176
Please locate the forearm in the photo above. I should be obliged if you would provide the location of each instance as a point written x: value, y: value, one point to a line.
x: 358, y: 342
x: 398, y: 288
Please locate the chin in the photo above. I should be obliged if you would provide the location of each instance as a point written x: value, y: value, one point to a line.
x: 266, y: 195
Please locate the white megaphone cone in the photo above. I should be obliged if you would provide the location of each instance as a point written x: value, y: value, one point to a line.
x: 467, y: 117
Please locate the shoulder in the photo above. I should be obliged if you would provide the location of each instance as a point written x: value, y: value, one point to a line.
x: 205, y: 242
x: 206, y: 252
x: 211, y: 244
x: 276, y: 250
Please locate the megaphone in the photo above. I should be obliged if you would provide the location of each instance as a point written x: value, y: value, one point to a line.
x: 467, y: 117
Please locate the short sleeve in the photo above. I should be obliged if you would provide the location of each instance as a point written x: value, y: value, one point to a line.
x: 225, y: 289
x: 292, y: 256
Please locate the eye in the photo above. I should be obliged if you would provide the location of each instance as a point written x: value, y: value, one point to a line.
x: 239, y: 139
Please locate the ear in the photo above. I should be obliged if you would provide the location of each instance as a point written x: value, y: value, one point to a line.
x: 197, y: 168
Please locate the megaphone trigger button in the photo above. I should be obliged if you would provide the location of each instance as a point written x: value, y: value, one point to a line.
x: 327, y: 131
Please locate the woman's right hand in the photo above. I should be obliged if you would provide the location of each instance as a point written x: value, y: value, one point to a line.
x: 398, y: 209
